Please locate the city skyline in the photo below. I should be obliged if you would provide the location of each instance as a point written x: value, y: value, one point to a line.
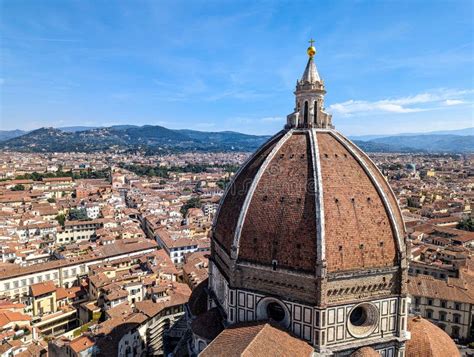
x: 389, y: 67
x: 343, y: 227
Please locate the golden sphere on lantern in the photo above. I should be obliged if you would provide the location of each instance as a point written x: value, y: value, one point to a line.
x: 311, y: 51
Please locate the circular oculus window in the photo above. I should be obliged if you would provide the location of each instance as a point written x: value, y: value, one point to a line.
x: 275, y: 312
x: 363, y: 320
x: 273, y: 309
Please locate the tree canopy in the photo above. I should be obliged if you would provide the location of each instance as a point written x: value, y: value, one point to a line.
x: 193, y: 202
x: 18, y: 187
x: 78, y: 214
x: 467, y: 224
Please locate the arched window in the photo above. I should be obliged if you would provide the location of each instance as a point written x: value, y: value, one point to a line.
x: 442, y: 316
x: 305, y: 116
x: 315, y: 115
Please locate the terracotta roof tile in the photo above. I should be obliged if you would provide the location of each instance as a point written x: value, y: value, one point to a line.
x: 283, y: 207
x: 44, y: 287
x: 81, y: 343
x: 259, y: 339
x: 361, y: 216
x: 357, y: 225
x: 236, y: 193
x: 428, y: 340
x: 451, y: 290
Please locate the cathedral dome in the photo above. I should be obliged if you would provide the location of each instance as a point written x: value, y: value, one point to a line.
x: 310, y: 197
x: 309, y: 235
x: 428, y: 340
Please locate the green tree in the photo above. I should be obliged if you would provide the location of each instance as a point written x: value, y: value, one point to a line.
x: 61, y: 218
x: 18, y: 187
x: 35, y: 176
x: 78, y: 214
x: 467, y: 224
x: 222, y: 183
x: 89, y: 173
x: 51, y: 200
x: 193, y: 202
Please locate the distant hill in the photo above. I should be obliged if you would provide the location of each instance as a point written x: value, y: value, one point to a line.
x: 73, y: 129
x: 10, y: 134
x: 50, y: 139
x: 36, y: 140
x: 151, y: 138
x: 154, y: 139
x: 369, y: 146
x: 124, y: 126
x: 227, y: 138
x: 428, y: 143
x: 462, y: 132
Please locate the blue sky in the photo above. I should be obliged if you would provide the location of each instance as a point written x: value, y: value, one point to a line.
x: 388, y: 66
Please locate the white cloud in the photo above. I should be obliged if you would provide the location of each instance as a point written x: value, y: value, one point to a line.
x: 360, y: 106
x: 411, y: 104
x: 453, y: 102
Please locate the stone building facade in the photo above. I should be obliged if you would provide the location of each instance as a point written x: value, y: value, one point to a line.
x: 449, y: 304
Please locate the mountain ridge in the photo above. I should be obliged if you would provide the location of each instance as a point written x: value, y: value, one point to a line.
x: 8, y: 134
x: 461, y: 132
x: 152, y: 138
x: 155, y: 139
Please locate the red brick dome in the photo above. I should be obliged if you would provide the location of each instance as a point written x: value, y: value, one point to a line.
x: 428, y: 340
x: 310, y: 197
x: 309, y: 235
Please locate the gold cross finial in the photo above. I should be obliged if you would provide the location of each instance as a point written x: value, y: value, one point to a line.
x: 311, y: 50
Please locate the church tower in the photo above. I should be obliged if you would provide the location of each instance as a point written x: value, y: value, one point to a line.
x: 309, y: 98
x: 309, y: 235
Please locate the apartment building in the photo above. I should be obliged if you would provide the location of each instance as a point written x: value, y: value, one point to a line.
x: 74, y: 231
x: 447, y: 303
x: 176, y: 248
x: 15, y: 280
